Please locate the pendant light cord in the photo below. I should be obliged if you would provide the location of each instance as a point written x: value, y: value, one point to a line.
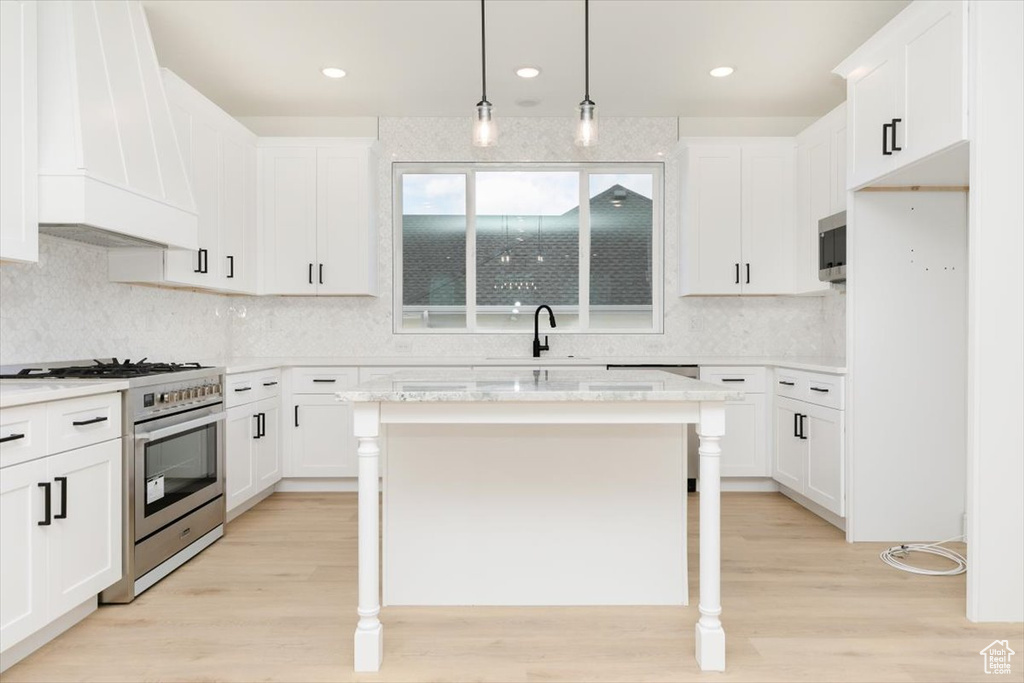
x: 586, y: 50
x: 483, y: 53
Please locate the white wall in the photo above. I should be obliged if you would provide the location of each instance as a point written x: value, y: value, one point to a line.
x: 995, y: 572
x: 63, y: 308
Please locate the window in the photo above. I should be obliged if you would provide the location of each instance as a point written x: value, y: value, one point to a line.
x: 479, y: 247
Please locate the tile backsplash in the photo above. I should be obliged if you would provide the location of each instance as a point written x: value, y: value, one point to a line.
x: 64, y: 308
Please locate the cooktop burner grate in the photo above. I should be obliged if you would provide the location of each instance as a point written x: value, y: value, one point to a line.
x: 113, y: 368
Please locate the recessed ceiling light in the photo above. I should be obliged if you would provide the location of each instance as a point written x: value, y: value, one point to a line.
x: 721, y: 71
x: 527, y: 72
x: 527, y: 103
x: 333, y: 72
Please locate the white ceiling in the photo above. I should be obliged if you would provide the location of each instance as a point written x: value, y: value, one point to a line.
x: 422, y: 57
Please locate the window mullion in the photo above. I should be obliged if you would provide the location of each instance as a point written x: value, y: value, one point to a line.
x: 584, y: 214
x: 470, y: 250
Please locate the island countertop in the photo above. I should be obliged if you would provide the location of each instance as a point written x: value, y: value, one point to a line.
x: 527, y: 385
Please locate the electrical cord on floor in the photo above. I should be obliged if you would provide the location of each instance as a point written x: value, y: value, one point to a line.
x: 894, y: 557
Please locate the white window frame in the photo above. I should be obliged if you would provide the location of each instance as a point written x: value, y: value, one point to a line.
x: 656, y: 169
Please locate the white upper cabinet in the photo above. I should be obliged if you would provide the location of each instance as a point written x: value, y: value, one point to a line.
x: 820, y: 192
x: 318, y: 216
x: 737, y: 217
x: 19, y: 224
x: 219, y: 155
x: 906, y: 93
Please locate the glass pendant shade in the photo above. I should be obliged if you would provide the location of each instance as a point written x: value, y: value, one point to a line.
x: 484, y: 131
x: 586, y: 127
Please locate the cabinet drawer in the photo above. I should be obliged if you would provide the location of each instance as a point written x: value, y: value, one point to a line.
x: 748, y: 379
x: 788, y: 383
x: 268, y: 384
x: 22, y: 433
x: 79, y: 422
x: 824, y: 390
x: 241, y: 389
x: 323, y: 380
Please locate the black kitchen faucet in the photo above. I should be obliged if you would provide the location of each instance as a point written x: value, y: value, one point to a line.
x: 537, y: 346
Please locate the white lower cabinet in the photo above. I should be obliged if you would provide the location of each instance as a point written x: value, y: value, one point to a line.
x: 322, y: 443
x: 745, y: 444
x: 60, y: 535
x: 809, y: 449
x: 252, y: 436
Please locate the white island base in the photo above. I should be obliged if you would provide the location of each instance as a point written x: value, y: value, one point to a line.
x: 598, y: 404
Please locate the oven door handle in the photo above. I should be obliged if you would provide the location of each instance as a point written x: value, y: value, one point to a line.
x: 179, y: 428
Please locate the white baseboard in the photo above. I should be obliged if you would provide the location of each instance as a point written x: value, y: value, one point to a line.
x: 827, y: 515
x: 318, y: 485
x: 24, y: 648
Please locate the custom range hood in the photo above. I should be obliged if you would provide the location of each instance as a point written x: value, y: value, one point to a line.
x: 110, y: 170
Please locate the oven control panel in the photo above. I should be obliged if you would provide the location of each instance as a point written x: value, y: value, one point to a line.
x: 156, y: 399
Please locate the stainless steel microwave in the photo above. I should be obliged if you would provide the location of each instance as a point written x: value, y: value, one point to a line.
x: 832, y: 248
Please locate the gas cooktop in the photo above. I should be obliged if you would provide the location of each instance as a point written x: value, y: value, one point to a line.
x: 98, y: 369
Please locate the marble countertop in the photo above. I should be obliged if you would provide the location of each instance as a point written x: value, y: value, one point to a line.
x: 526, y: 385
x: 813, y: 364
x: 15, y: 392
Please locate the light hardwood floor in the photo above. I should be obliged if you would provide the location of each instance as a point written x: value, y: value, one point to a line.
x: 274, y: 600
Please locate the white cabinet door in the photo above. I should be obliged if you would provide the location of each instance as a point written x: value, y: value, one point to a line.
x: 815, y: 176
x: 19, y: 214
x: 790, y: 450
x: 232, y: 228
x: 240, y: 462
x: 767, y: 218
x: 933, y: 113
x: 86, y: 534
x: 838, y: 165
x: 289, y: 179
x: 712, y: 220
x: 823, y: 428
x: 744, y: 453
x: 343, y: 221
x: 268, y: 448
x: 872, y: 103
x: 322, y: 443
x: 23, y: 550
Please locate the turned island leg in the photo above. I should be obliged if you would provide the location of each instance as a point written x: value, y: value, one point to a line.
x: 710, y: 635
x: 369, y: 638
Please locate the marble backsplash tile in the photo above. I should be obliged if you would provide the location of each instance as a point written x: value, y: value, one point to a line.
x: 64, y: 308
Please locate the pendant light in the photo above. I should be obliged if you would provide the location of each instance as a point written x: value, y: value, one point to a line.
x: 586, y: 127
x: 484, y: 131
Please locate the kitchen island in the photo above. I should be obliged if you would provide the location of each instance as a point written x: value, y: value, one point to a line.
x: 465, y: 401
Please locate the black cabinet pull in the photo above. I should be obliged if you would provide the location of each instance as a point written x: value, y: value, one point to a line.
x: 81, y: 423
x: 199, y: 261
x: 796, y: 425
x: 257, y: 418
x: 263, y: 424
x: 244, y: 389
x: 231, y: 267
x: 802, y: 435
x: 893, y: 146
x: 748, y: 274
x: 737, y: 273
x: 63, y: 514
x: 310, y: 273
x: 296, y: 416
x: 787, y: 384
x: 46, y: 502
x: 321, y: 273
x: 269, y: 384
x: 325, y: 381
x: 733, y: 379
x: 885, y: 139
x: 12, y: 437
x: 824, y: 391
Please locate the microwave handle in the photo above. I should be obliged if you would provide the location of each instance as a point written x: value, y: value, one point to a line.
x: 178, y: 428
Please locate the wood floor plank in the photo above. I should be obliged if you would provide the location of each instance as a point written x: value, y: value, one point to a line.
x: 274, y: 600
